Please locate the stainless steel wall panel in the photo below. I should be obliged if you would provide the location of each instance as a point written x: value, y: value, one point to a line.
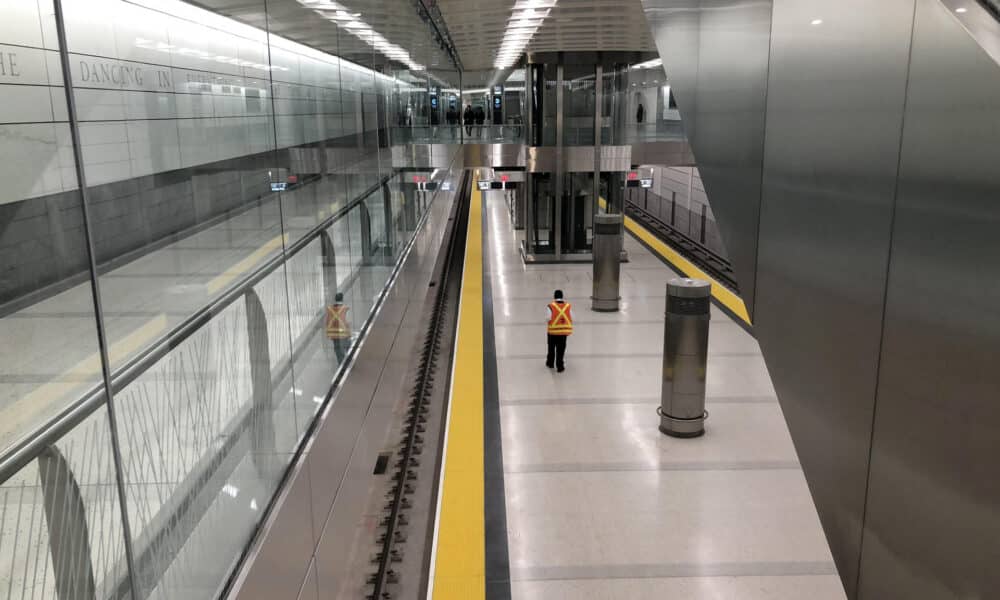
x: 835, y: 94
x: 494, y: 155
x: 616, y: 158
x: 578, y: 159
x: 933, y: 523
x: 876, y: 277
x: 309, y: 590
x: 424, y: 156
x: 715, y: 53
x: 675, y: 154
x: 540, y: 159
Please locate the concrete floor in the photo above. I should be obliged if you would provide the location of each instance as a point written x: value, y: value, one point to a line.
x: 599, y: 503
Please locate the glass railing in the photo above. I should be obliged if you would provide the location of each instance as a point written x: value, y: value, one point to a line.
x: 209, y: 416
x: 459, y: 134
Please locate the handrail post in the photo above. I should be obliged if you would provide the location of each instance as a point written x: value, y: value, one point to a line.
x: 262, y: 415
x: 329, y: 268
x: 69, y: 536
x: 390, y: 242
x: 366, y: 235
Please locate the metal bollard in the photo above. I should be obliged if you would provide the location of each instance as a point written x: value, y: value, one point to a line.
x: 685, y: 357
x: 607, y: 262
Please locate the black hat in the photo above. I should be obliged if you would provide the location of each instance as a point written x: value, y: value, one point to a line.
x: 339, y: 297
x: 558, y: 295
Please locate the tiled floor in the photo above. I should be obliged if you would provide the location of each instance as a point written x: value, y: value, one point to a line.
x: 600, y: 504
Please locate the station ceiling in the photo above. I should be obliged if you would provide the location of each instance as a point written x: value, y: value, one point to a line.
x: 373, y: 33
x: 477, y: 27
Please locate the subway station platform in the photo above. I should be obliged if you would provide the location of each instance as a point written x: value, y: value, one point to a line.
x: 583, y: 496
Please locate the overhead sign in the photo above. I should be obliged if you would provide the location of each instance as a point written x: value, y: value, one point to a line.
x: 494, y: 185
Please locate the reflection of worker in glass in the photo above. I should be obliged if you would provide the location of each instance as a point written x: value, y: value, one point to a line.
x: 337, y: 328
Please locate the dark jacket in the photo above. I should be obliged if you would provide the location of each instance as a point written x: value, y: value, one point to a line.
x: 468, y: 116
x: 480, y: 115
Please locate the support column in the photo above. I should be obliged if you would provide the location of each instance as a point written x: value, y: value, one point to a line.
x: 559, y: 160
x: 598, y: 118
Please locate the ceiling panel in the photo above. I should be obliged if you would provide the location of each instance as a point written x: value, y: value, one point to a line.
x: 397, y: 23
x: 477, y: 28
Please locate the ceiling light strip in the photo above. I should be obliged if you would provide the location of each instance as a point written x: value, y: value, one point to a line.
x: 525, y: 20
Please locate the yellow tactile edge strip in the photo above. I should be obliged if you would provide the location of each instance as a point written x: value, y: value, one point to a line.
x: 458, y: 564
x: 721, y: 293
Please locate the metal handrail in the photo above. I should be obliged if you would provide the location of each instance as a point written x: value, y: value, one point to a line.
x: 28, y: 448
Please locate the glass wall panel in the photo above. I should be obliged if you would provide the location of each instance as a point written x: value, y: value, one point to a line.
x: 49, y: 357
x: 60, y: 521
x: 549, y: 105
x: 239, y: 186
x: 648, y: 110
x: 177, y: 144
x: 494, y: 101
x: 578, y: 105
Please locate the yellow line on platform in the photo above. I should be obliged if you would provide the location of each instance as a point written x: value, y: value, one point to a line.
x: 49, y: 398
x: 245, y: 265
x: 721, y: 293
x: 460, y: 546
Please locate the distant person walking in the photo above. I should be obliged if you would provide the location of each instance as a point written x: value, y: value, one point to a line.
x: 338, y: 330
x: 560, y: 327
x: 640, y: 113
x: 480, y: 114
x: 468, y: 117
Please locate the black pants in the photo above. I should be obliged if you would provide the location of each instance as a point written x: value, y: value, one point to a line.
x: 557, y: 350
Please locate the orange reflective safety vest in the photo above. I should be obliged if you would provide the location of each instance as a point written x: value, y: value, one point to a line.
x: 336, y: 322
x: 561, y: 319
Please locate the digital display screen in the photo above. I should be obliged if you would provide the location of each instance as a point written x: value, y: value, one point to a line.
x: 279, y: 187
x: 434, y: 102
x: 484, y: 185
x: 445, y: 186
x: 646, y: 183
x: 496, y: 102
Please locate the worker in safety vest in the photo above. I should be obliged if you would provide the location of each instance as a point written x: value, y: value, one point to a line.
x: 337, y: 328
x: 560, y: 326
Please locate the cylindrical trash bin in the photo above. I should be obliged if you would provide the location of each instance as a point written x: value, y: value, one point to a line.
x: 685, y: 358
x: 607, y: 262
